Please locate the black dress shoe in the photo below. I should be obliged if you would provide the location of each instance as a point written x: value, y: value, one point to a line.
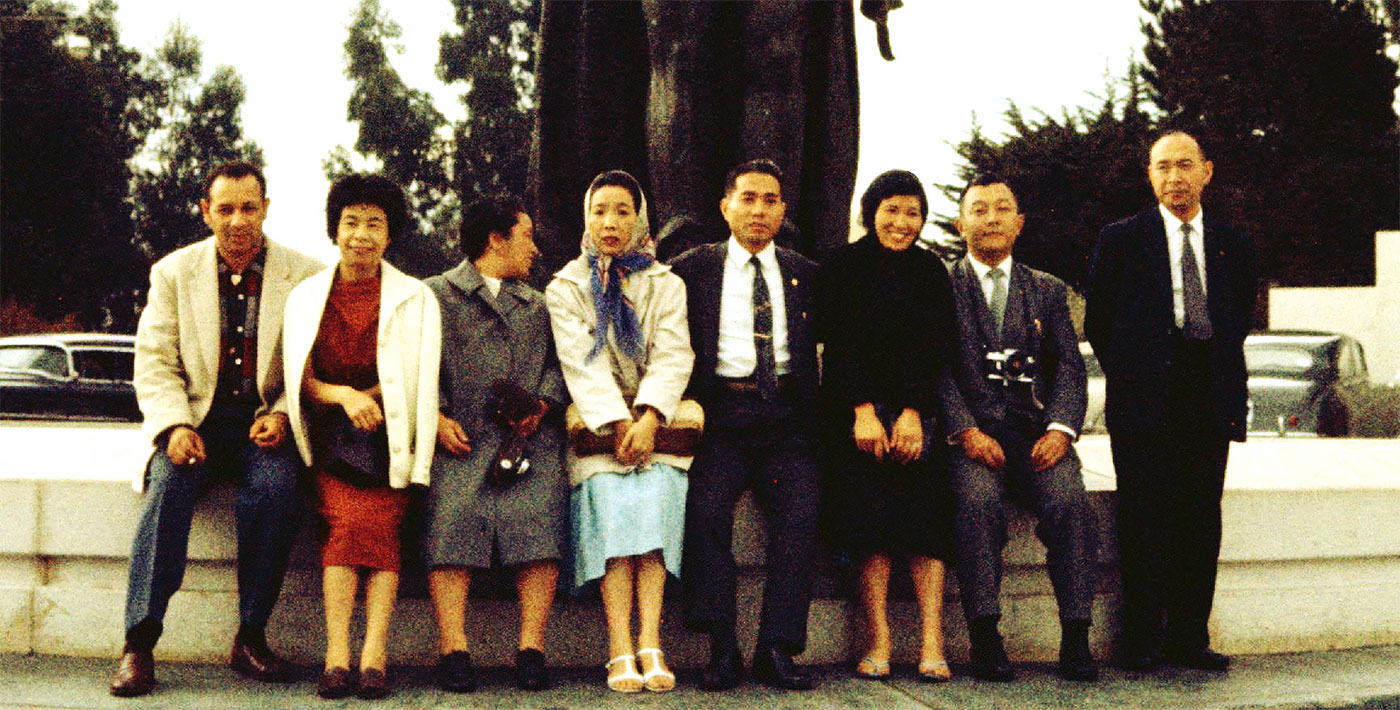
x: 725, y: 671
x: 1138, y: 661
x: 775, y: 668
x: 136, y: 674
x: 1078, y: 664
x: 990, y: 663
x: 531, y: 671
x: 455, y: 672
x: 374, y: 684
x: 336, y: 683
x: 1200, y: 659
x: 257, y: 661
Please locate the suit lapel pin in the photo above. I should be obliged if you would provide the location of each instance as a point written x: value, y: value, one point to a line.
x: 794, y: 282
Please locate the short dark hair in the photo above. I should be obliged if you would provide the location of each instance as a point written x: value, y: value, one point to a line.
x: 622, y: 179
x: 233, y: 170
x: 985, y: 180
x: 493, y: 214
x: 893, y: 183
x: 367, y: 189
x: 1168, y: 132
x: 759, y: 165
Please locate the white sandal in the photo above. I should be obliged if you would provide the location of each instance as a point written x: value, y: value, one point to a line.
x: 658, y: 679
x: 628, y: 674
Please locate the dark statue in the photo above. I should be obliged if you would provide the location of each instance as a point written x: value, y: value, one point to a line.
x: 676, y: 93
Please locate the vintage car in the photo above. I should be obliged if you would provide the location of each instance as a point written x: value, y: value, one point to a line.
x: 1093, y: 417
x: 68, y: 376
x: 1305, y: 382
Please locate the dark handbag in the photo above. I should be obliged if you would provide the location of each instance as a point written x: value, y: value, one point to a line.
x: 507, y: 406
x: 678, y: 437
x: 360, y: 458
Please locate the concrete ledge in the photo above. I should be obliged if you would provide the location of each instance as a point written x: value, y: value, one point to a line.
x: 1310, y: 560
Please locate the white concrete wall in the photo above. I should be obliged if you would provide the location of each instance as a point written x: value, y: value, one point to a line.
x: 1371, y: 314
x: 1310, y: 560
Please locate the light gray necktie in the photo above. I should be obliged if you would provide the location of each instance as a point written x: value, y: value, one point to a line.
x: 998, y: 302
x: 1196, y: 322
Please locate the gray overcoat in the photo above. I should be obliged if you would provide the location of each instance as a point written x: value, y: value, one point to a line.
x: 485, y: 338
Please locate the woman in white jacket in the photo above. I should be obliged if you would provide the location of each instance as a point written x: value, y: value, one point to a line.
x: 619, y: 322
x: 362, y: 344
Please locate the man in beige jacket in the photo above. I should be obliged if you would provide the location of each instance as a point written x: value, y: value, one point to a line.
x: 209, y: 382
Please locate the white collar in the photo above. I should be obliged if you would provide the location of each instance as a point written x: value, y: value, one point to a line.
x: 981, y: 269
x: 739, y: 256
x: 1174, y: 223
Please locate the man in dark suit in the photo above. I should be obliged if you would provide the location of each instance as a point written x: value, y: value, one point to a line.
x: 756, y: 376
x: 1170, y: 299
x: 1011, y: 426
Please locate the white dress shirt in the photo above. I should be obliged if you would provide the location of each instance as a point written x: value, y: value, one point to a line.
x: 493, y: 285
x: 1174, y: 256
x: 737, y: 356
x: 982, y: 271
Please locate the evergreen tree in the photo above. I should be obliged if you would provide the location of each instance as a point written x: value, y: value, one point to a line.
x: 65, y: 137
x: 1293, y: 102
x: 441, y: 164
x: 198, y: 127
x: 406, y: 135
x: 1071, y: 175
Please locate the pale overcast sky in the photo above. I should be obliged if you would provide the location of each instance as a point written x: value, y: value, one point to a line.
x: 954, y: 59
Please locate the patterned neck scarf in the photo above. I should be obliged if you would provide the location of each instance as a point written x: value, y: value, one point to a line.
x: 615, y: 312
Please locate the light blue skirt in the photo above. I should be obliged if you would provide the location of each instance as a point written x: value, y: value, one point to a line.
x: 626, y: 514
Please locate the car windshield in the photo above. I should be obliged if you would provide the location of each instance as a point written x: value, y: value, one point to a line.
x: 1276, y: 360
x: 48, y: 360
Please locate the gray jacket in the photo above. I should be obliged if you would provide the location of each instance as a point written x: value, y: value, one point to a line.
x: 1037, y: 321
x: 485, y: 339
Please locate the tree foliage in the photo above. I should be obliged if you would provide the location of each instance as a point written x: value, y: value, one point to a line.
x: 1293, y: 102
x: 65, y: 138
x: 441, y: 164
x: 1072, y: 175
x: 104, y: 153
x: 197, y: 126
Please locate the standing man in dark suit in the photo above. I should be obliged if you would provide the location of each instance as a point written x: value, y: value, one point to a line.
x: 756, y: 376
x: 1170, y: 299
x: 1015, y: 400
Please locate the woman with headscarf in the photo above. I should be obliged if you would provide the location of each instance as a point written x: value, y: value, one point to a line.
x: 619, y: 322
x: 885, y: 315
x: 362, y: 342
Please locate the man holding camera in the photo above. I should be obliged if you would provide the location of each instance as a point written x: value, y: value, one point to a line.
x: 1014, y: 401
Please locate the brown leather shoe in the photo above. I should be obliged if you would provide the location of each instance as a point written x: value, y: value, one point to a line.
x: 374, y: 684
x: 258, y: 662
x: 136, y: 674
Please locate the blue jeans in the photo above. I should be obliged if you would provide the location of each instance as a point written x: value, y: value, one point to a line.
x: 268, y: 512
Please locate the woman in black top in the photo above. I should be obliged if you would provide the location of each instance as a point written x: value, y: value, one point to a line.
x: 885, y: 314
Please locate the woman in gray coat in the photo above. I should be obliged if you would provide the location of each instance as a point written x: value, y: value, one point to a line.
x: 500, y: 379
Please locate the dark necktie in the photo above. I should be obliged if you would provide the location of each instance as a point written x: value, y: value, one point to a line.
x: 998, y: 302
x: 765, y: 371
x: 1196, y: 322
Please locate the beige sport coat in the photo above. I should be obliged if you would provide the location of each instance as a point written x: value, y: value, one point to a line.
x: 177, y: 338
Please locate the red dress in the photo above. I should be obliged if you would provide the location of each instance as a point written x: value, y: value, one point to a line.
x: 363, y: 523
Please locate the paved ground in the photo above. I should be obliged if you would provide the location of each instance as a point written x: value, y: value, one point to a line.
x: 1362, y: 678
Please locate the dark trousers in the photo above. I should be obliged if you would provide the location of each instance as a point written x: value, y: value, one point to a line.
x: 1170, y: 481
x: 1065, y: 523
x: 268, y: 512
x: 752, y: 445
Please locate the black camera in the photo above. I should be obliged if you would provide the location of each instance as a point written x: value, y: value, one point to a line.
x: 1008, y: 366
x: 1015, y: 370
